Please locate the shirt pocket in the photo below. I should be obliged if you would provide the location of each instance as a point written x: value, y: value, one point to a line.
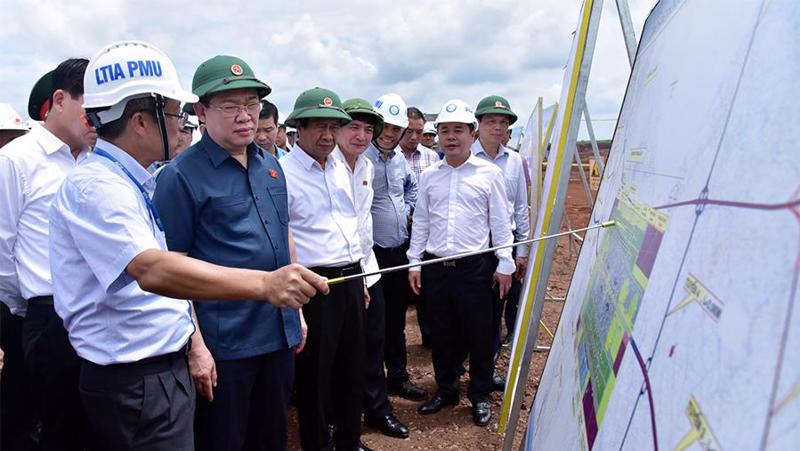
x: 281, y: 202
x: 231, y: 216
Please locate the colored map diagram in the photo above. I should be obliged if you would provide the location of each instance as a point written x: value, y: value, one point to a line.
x: 681, y: 328
x: 618, y: 280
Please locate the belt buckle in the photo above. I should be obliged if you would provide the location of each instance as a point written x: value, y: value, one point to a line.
x: 449, y: 263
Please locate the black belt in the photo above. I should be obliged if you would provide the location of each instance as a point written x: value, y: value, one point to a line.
x: 41, y: 300
x: 338, y: 271
x: 142, y: 367
x: 455, y: 263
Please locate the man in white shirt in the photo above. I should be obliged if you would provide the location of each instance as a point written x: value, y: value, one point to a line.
x: 31, y: 170
x: 352, y: 141
x: 494, y: 116
x: 324, y: 224
x: 461, y: 200
x: 120, y: 293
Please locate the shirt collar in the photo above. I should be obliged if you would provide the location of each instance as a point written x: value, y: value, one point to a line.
x: 471, y: 160
x: 128, y: 162
x: 306, y: 161
x: 218, y: 155
x: 50, y: 142
x: 477, y: 148
x: 339, y: 155
x: 379, y: 153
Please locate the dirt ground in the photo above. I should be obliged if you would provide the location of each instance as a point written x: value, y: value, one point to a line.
x: 452, y: 428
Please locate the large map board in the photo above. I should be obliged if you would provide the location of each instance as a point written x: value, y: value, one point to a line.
x: 681, y: 328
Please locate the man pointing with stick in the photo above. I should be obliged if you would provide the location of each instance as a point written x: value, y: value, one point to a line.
x: 461, y: 199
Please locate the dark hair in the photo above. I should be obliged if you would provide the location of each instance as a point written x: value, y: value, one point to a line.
x: 368, y: 118
x: 68, y: 76
x: 114, y: 129
x: 268, y: 109
x: 415, y: 113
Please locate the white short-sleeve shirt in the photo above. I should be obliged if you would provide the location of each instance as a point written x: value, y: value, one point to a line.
x: 99, y: 222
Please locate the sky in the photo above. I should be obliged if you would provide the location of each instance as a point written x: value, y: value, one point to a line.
x: 426, y: 51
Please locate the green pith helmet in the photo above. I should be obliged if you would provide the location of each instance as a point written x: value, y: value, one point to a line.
x: 224, y: 73
x: 39, y: 100
x: 358, y: 106
x: 317, y: 103
x: 495, y: 105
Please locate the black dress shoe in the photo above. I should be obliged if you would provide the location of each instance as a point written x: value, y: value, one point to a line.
x: 498, y: 383
x: 408, y: 390
x: 435, y: 404
x: 389, y: 425
x: 481, y: 413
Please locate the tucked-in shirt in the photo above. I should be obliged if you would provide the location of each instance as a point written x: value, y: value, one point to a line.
x: 421, y: 158
x: 361, y: 188
x: 99, y: 221
x: 32, y: 168
x: 322, y: 213
x: 215, y: 210
x: 456, y: 210
x: 395, y: 187
x: 516, y: 190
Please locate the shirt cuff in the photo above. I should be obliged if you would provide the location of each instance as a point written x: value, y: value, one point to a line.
x: 414, y: 268
x: 523, y: 250
x: 506, y: 267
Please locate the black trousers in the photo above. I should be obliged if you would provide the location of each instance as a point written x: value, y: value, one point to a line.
x: 147, y: 405
x: 249, y: 411
x: 330, y: 370
x: 54, y: 368
x: 376, y: 396
x: 498, y: 303
x: 397, y: 295
x: 17, y: 399
x: 459, y: 295
x: 512, y: 305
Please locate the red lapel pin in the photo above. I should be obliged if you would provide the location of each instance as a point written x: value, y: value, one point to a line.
x: 273, y: 173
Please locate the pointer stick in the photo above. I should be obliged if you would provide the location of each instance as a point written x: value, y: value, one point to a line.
x: 338, y: 280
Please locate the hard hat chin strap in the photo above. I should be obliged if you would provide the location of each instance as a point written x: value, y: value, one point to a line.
x: 162, y: 123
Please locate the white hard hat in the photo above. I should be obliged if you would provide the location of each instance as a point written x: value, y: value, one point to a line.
x: 191, y: 122
x: 393, y: 109
x: 10, y: 119
x: 282, y: 118
x: 429, y: 128
x: 456, y: 110
x: 126, y: 70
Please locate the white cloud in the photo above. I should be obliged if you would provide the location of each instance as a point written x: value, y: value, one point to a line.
x: 426, y: 51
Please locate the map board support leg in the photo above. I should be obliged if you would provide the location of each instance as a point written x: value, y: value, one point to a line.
x: 584, y: 179
x: 595, y: 148
x: 578, y: 69
x: 627, y: 31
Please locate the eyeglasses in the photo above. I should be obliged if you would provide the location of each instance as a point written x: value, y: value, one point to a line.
x: 182, y: 116
x: 252, y: 109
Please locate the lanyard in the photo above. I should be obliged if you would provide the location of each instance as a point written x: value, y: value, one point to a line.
x: 150, y: 206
